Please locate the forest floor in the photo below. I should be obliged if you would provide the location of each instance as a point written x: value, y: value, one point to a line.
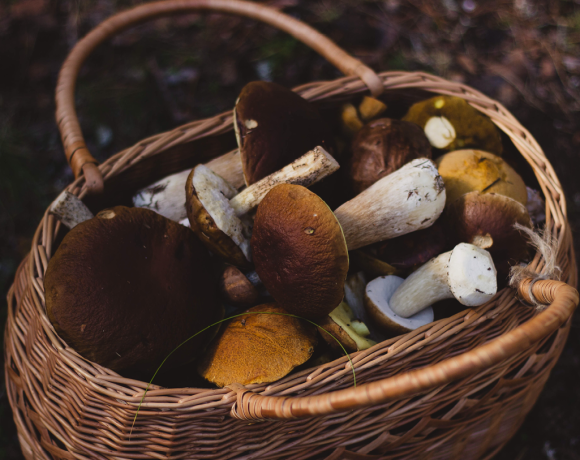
x: 154, y: 77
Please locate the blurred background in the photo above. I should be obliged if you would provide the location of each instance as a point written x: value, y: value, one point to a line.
x: 524, y: 53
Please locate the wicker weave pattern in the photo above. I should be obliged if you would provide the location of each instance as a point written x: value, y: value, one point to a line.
x: 69, y: 408
x: 66, y: 407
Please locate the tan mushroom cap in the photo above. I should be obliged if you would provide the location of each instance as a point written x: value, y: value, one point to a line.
x: 465, y: 171
x: 258, y: 348
x: 128, y: 286
x: 451, y: 124
x: 299, y: 251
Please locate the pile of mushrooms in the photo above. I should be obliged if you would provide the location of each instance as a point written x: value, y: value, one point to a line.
x: 415, y: 231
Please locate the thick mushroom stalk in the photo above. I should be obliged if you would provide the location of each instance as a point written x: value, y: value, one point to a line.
x: 70, y: 210
x: 466, y: 273
x: 409, y: 199
x: 166, y: 196
x: 219, y: 216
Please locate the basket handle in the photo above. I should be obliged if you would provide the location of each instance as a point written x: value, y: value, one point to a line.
x: 76, y: 152
x: 562, y: 297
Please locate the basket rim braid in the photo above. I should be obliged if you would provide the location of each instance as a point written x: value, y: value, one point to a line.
x: 456, y: 388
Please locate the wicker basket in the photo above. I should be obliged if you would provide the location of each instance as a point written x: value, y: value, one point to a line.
x: 457, y: 388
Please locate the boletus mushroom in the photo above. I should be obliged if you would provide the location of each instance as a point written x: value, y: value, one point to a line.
x: 218, y: 214
x: 487, y: 220
x: 465, y: 171
x: 166, y: 196
x: 258, y: 348
x: 128, y: 286
x: 466, y: 273
x: 343, y: 326
x: 299, y: 251
x: 274, y: 126
x: 450, y: 123
x: 409, y: 199
x: 383, y: 146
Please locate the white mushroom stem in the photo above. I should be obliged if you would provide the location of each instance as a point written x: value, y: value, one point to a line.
x: 407, y: 200
x: 466, y: 273
x: 310, y: 168
x: 440, y: 132
x: 167, y: 197
x: 70, y: 210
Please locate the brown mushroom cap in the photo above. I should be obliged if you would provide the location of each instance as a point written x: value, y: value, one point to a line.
x: 299, y: 251
x: 258, y: 348
x: 236, y: 289
x: 383, y: 146
x: 466, y: 171
x: 487, y: 220
x: 128, y: 286
x: 409, y: 251
x: 471, y: 128
x: 275, y: 126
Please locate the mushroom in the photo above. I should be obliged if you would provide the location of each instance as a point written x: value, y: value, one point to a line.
x: 450, y: 123
x: 466, y: 171
x: 239, y: 289
x: 299, y: 251
x: 274, y: 126
x: 406, y: 200
x: 487, y: 220
x: 128, y: 286
x: 377, y: 295
x: 342, y: 325
x: 371, y: 107
x: 258, y: 348
x: 383, y: 146
x: 466, y: 273
x: 166, y: 196
x: 218, y: 216
x: 406, y: 253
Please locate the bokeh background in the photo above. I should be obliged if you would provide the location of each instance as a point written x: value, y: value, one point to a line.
x: 157, y: 76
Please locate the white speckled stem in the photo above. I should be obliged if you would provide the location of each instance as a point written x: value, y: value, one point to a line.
x: 423, y: 287
x: 407, y: 200
x: 70, y: 210
x: 306, y: 170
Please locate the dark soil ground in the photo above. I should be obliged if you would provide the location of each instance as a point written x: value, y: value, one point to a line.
x: 524, y: 53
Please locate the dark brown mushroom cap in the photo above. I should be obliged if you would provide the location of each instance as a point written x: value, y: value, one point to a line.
x: 258, y: 348
x: 472, y: 128
x: 299, y: 251
x: 409, y: 251
x: 205, y: 227
x: 128, y: 286
x: 383, y: 146
x: 275, y: 126
x: 475, y: 216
